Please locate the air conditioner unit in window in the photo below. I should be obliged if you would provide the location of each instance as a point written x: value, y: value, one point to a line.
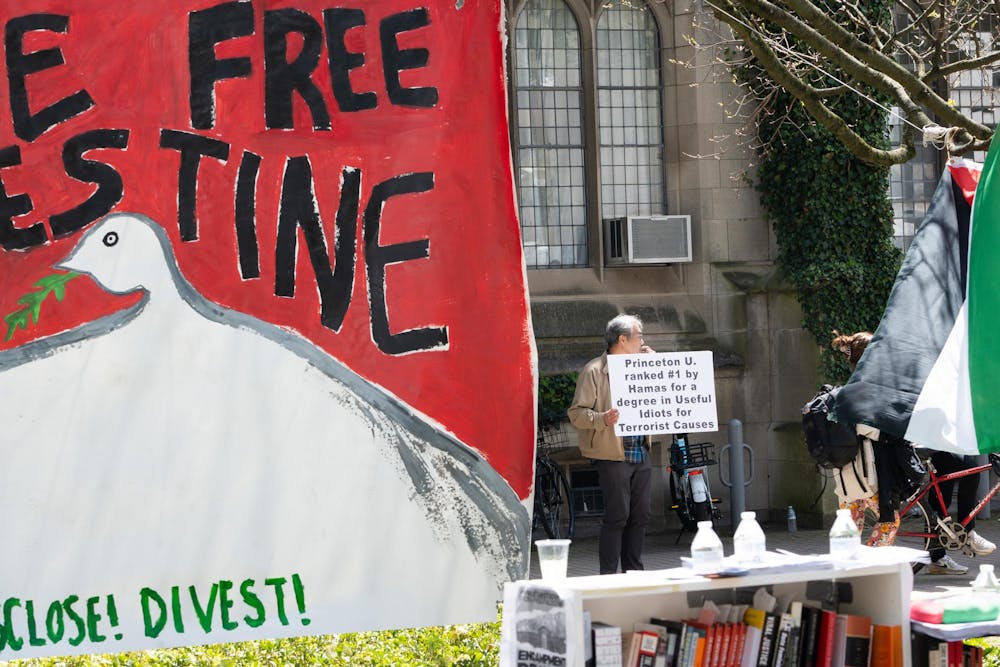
x: 647, y: 239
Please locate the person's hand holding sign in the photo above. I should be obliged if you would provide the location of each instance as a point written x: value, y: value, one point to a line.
x: 611, y: 416
x: 657, y: 393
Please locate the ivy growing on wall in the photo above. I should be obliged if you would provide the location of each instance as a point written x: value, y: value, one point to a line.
x: 555, y: 395
x: 831, y: 215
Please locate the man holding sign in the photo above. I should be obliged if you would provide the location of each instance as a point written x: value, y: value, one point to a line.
x: 622, y: 463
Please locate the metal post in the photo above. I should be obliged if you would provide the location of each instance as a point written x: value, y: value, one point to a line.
x: 738, y: 481
x: 737, y: 501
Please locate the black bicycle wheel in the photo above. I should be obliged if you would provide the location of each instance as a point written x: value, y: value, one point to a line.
x: 681, y: 505
x: 914, y: 525
x: 702, y: 511
x: 536, y: 514
x: 553, y: 501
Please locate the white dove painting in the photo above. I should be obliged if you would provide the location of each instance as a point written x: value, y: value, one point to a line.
x: 179, y: 444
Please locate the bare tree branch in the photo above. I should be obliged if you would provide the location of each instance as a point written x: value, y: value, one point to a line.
x: 972, y: 63
x: 801, y: 45
x: 813, y: 103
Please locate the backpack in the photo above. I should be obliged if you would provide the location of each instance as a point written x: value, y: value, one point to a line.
x: 831, y: 444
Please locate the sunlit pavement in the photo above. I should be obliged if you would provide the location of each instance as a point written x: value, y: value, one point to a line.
x: 664, y: 550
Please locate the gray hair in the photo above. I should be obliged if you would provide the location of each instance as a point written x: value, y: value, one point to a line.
x: 622, y: 325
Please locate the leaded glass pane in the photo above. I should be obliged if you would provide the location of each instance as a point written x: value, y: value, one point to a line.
x: 549, y: 98
x: 629, y: 110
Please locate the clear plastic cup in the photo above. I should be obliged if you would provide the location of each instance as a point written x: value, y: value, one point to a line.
x: 553, y: 556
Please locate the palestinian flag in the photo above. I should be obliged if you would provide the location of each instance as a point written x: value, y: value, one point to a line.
x: 931, y: 373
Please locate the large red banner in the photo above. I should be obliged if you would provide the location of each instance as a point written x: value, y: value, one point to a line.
x: 339, y: 172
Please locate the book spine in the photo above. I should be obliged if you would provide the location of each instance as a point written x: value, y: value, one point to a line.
x: 699, y: 651
x: 781, y: 641
x: 673, y: 630
x: 682, y: 651
x: 632, y: 655
x: 710, y: 641
x: 858, y: 649
x: 792, y: 659
x: 607, y: 645
x: 648, y: 643
x: 767, y: 639
x: 741, y: 637
x: 824, y: 643
x: 722, y: 656
x: 673, y: 647
x: 810, y: 630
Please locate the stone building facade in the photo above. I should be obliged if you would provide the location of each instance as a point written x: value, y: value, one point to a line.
x: 615, y: 112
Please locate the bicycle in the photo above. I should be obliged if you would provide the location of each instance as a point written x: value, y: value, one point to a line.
x: 553, y: 506
x: 916, y: 528
x: 690, y: 493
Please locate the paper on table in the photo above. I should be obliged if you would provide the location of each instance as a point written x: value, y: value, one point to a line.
x: 770, y: 561
x: 890, y: 555
x: 784, y: 561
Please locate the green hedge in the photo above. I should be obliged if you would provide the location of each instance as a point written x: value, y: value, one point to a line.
x: 991, y: 650
x: 455, y: 646
x: 476, y: 645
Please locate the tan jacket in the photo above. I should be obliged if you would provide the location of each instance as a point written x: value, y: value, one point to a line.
x: 592, y: 398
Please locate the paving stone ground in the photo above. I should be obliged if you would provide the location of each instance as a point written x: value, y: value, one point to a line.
x: 665, y: 548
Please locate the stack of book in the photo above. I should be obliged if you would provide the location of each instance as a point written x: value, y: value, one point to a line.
x: 931, y: 652
x: 766, y: 633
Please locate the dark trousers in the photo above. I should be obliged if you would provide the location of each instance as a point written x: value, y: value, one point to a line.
x: 968, y: 490
x: 968, y: 487
x: 626, y: 490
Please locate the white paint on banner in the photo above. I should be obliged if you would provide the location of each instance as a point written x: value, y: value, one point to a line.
x: 201, y: 454
x: 664, y: 392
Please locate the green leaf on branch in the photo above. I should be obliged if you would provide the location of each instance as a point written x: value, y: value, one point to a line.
x: 31, y: 302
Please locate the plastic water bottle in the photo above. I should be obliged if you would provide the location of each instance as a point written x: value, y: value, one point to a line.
x: 793, y: 525
x: 845, y: 538
x: 706, y: 547
x: 749, y: 542
x: 986, y: 580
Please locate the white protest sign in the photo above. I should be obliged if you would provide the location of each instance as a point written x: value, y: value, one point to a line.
x: 664, y: 392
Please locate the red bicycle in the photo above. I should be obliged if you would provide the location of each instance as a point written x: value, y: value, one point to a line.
x: 920, y: 525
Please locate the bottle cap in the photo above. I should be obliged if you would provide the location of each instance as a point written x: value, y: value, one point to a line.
x: 748, y: 515
x: 704, y: 524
